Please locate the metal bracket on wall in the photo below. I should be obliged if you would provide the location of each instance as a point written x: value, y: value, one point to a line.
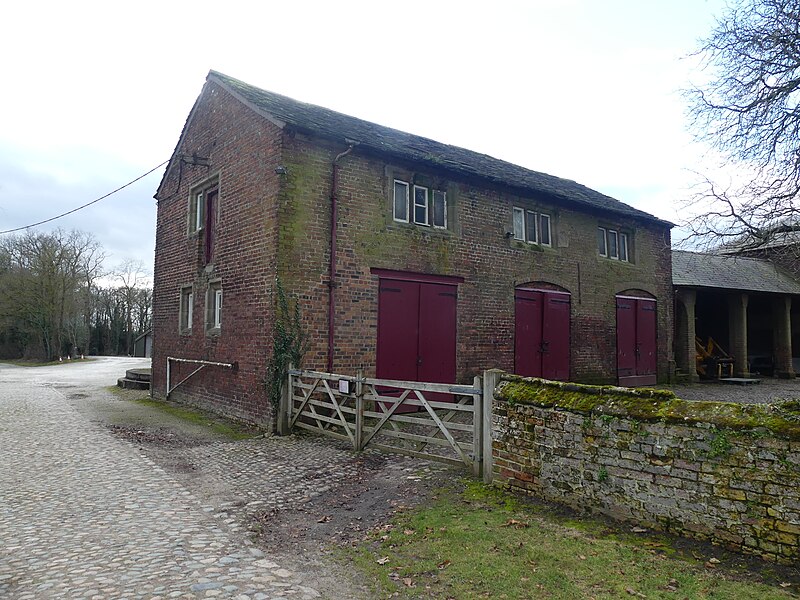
x: 203, y: 364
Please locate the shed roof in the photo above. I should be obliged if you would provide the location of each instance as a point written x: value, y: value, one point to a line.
x: 695, y: 269
x: 385, y: 140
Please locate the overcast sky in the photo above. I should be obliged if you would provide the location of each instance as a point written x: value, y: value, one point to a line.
x: 96, y: 93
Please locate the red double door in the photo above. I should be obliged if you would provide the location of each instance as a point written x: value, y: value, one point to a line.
x: 416, y: 331
x: 636, y: 341
x: 542, y: 338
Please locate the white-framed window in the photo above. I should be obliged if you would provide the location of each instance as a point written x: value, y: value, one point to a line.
x: 531, y: 226
x: 186, y: 309
x: 400, y: 201
x: 217, y: 308
x: 214, y: 306
x: 199, y: 199
x: 613, y: 244
x: 419, y: 205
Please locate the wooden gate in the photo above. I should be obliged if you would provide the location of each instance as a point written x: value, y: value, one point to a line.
x: 375, y: 412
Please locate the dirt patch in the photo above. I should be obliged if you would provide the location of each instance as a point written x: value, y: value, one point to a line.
x: 157, y: 436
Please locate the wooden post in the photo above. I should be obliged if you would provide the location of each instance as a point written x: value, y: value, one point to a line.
x: 360, y: 410
x: 477, y: 424
x: 285, y: 404
x: 490, y: 379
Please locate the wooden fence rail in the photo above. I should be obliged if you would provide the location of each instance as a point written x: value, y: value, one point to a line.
x: 434, y: 421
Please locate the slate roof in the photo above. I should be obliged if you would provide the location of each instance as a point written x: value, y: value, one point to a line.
x: 385, y: 140
x: 694, y: 269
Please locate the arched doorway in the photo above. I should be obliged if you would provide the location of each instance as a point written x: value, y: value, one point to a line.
x: 542, y: 331
x: 637, y: 358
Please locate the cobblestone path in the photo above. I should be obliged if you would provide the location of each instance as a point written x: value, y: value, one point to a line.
x: 84, y: 515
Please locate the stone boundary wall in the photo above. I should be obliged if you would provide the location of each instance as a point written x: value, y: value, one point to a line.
x: 721, y: 472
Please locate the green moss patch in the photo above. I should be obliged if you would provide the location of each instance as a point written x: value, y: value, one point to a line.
x: 645, y: 404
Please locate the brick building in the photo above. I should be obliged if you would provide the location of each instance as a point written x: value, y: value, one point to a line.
x: 410, y: 259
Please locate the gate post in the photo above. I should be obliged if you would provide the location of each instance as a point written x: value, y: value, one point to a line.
x: 490, y: 379
x: 359, y: 410
x: 477, y: 427
x: 284, y: 405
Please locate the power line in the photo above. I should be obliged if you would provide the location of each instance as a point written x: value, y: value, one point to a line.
x: 69, y: 212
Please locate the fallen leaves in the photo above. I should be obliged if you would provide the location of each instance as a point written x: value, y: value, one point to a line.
x: 382, y: 561
x: 515, y: 524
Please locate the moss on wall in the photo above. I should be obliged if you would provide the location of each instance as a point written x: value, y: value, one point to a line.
x: 645, y: 404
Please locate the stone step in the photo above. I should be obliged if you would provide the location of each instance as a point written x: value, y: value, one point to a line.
x: 133, y: 384
x: 138, y: 374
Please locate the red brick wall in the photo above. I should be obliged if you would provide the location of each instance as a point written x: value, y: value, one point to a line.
x: 273, y: 224
x: 245, y: 150
x: 474, y: 247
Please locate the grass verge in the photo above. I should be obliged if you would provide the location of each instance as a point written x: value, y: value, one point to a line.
x: 474, y: 541
x: 230, y: 429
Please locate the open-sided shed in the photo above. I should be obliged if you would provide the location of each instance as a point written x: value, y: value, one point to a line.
x: 746, y: 304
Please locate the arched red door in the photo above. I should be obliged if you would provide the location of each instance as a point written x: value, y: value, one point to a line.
x: 542, y: 339
x: 636, y: 341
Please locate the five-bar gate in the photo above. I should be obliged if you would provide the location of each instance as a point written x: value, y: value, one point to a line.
x: 435, y: 421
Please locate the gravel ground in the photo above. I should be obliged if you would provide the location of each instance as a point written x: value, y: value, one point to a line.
x: 768, y: 390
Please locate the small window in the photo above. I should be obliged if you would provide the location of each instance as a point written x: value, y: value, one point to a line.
x: 186, y: 309
x: 602, y: 247
x: 214, y: 307
x: 197, y: 211
x: 613, y: 244
x: 217, y: 308
x: 519, y: 224
x: 439, y: 209
x: 544, y: 230
x: 202, y: 213
x: 400, y: 201
x: 623, y: 246
x: 421, y: 205
x: 532, y: 227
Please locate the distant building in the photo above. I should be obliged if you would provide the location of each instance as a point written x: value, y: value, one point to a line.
x: 143, y: 345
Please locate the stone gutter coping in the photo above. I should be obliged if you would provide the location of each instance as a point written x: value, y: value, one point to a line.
x: 647, y: 404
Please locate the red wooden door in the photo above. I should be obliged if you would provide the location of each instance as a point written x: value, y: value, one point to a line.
x: 636, y: 341
x: 555, y: 336
x: 417, y: 333
x: 626, y: 338
x: 398, y: 330
x: 646, y: 338
x: 528, y: 333
x: 542, y: 341
x: 437, y: 333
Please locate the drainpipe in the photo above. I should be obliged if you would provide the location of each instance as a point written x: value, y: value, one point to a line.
x: 332, y: 273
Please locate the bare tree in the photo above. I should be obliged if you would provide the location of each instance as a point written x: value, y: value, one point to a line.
x: 41, y: 285
x: 132, y: 277
x: 750, y: 113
